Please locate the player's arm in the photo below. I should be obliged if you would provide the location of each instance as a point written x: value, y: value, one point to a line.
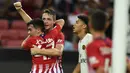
x: 100, y: 70
x: 57, y: 51
x: 77, y: 68
x: 24, y: 41
x: 48, y: 52
x: 60, y: 22
x: 128, y: 65
x: 23, y: 14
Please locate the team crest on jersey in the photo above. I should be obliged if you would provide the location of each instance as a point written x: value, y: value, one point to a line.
x: 83, y: 47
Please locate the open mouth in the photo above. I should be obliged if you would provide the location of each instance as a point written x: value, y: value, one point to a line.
x: 46, y: 25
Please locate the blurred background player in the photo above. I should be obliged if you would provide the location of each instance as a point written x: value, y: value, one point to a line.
x: 81, y: 29
x: 54, y: 44
x: 99, y: 50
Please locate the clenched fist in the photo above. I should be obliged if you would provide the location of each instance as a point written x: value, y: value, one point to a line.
x: 18, y: 5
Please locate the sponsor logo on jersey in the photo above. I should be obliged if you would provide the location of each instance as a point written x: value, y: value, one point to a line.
x: 39, y: 42
x: 82, y: 60
x: 83, y: 47
x: 59, y: 40
x: 50, y: 44
x: 49, y: 40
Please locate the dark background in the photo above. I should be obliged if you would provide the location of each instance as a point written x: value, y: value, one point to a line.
x: 19, y: 61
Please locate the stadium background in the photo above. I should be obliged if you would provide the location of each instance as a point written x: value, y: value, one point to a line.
x: 13, y: 30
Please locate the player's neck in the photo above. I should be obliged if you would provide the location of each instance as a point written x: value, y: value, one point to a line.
x: 81, y: 35
x: 39, y: 34
x: 46, y: 31
x: 98, y: 34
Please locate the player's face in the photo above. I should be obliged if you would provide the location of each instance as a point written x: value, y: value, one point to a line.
x: 31, y: 30
x: 48, y: 20
x: 78, y: 26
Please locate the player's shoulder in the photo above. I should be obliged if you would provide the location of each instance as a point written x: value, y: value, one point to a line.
x: 89, y: 35
x: 61, y: 34
x: 34, y: 38
x: 94, y: 43
x: 52, y: 32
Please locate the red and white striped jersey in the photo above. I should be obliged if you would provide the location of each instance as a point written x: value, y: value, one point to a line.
x: 41, y: 63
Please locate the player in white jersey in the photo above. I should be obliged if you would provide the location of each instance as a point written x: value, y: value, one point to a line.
x: 81, y: 30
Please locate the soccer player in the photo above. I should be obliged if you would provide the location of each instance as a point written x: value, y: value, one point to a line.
x: 54, y: 44
x: 82, y: 31
x: 35, y: 29
x: 99, y: 50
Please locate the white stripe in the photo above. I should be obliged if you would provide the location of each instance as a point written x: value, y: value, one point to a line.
x: 40, y: 68
x: 58, y: 68
x: 62, y: 70
x: 46, y: 68
x: 54, y: 69
x: 51, y: 68
x: 34, y: 68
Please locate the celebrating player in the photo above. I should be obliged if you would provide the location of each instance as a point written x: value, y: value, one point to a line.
x: 54, y: 41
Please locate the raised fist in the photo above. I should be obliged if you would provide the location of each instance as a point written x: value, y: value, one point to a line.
x: 18, y: 5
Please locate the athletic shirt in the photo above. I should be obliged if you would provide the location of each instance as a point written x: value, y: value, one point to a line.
x: 82, y: 52
x: 41, y: 63
x: 99, y: 53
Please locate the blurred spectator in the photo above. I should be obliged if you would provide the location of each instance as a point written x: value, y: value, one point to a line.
x: 103, y: 4
x: 93, y: 4
x: 66, y: 6
x: 0, y: 41
x: 48, y: 3
x: 28, y: 6
x: 4, y: 7
x: 12, y: 13
x: 68, y: 46
x: 80, y: 8
x: 38, y: 6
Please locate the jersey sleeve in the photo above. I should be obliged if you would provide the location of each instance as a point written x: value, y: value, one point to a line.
x: 95, y: 58
x: 28, y: 44
x: 57, y: 27
x: 55, y: 31
x: 60, y: 39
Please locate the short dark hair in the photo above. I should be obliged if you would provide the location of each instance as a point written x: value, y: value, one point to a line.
x: 98, y: 20
x: 51, y: 12
x: 37, y: 23
x: 85, y: 19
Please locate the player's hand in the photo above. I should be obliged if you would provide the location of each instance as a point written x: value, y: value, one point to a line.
x: 35, y: 50
x: 17, y: 5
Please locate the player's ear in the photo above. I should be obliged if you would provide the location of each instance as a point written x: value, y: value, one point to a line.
x: 85, y: 26
x: 38, y: 29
